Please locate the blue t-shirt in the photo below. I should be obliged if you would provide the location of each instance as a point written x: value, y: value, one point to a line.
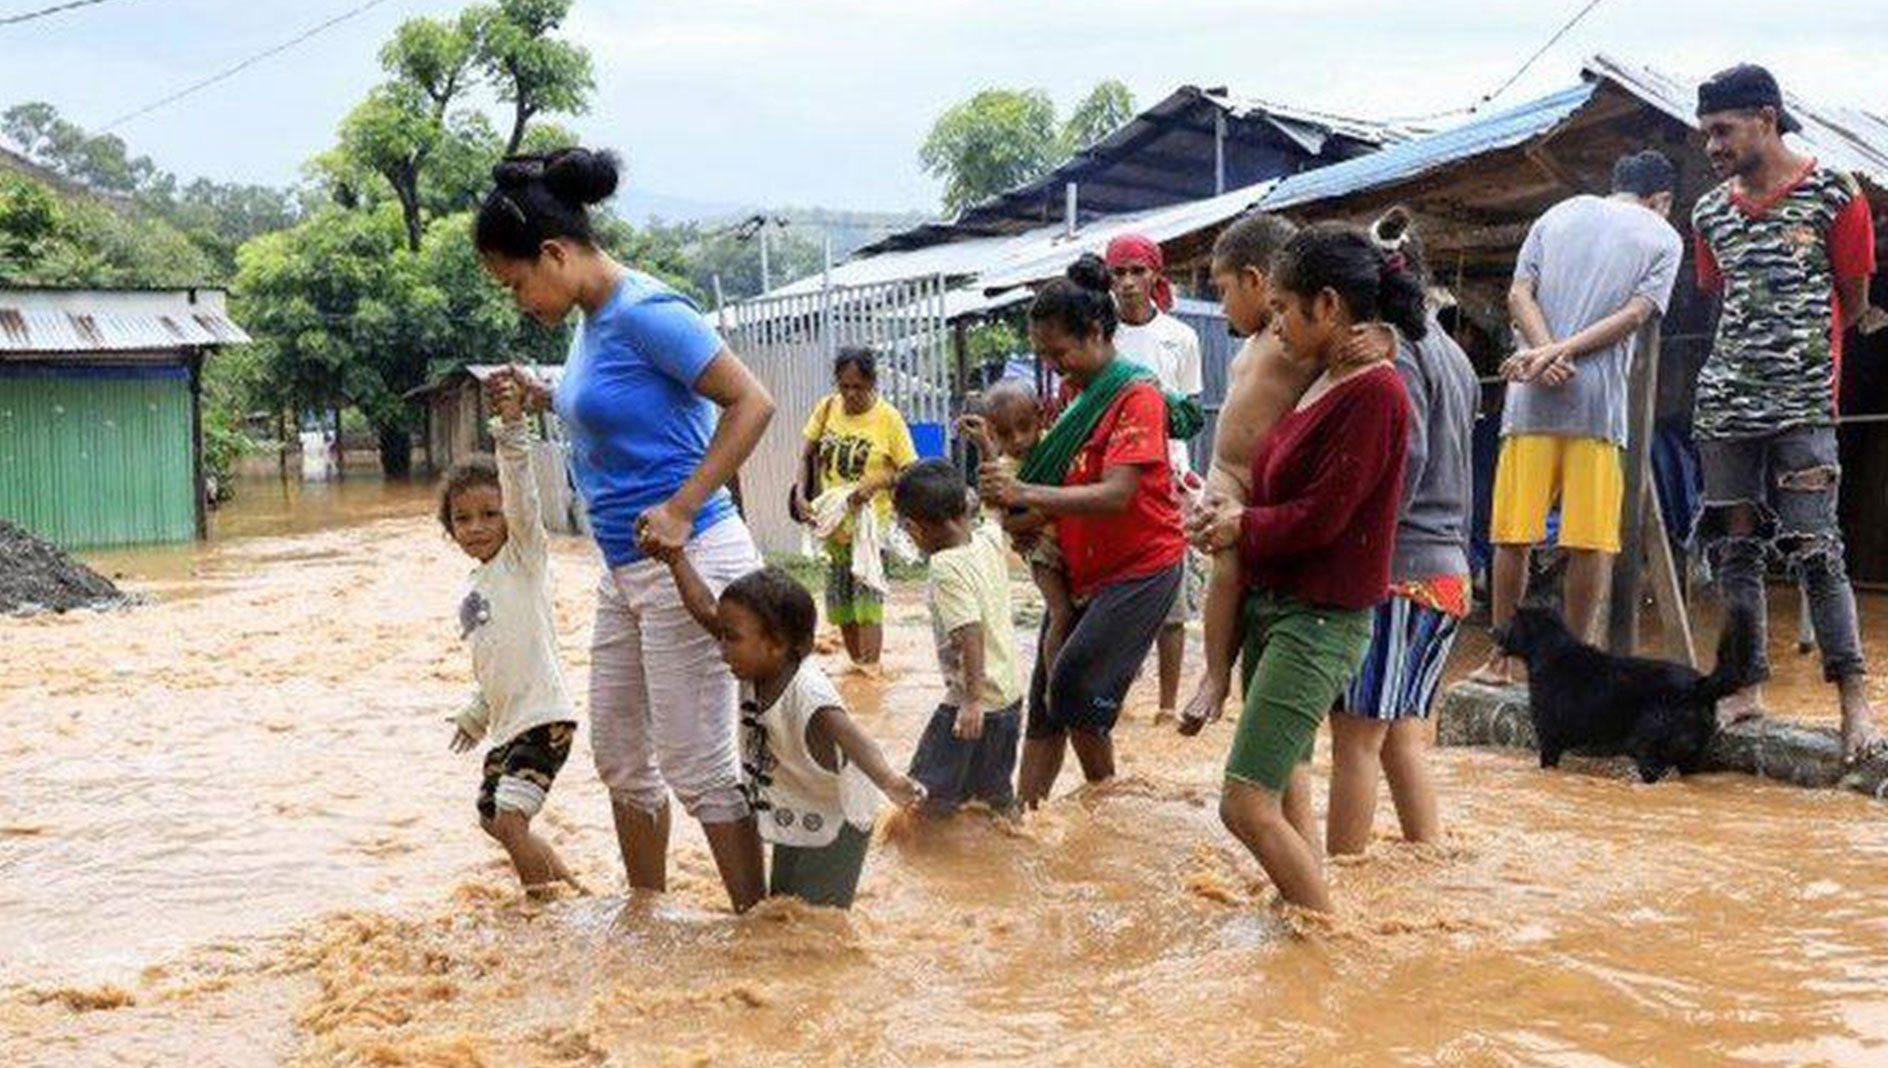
x: 638, y: 429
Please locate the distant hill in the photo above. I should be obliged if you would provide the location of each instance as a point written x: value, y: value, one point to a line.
x: 849, y: 229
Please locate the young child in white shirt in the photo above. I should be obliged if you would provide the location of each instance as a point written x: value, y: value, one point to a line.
x: 521, y: 704
x: 968, y: 751
x: 1007, y: 424
x: 812, y: 776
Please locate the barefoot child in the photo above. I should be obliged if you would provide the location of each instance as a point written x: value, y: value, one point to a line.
x: 1264, y: 383
x: 521, y: 704
x: 810, y: 771
x: 968, y: 751
x: 1010, y: 424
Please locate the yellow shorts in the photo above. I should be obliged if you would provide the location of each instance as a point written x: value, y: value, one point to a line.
x: 1588, y: 477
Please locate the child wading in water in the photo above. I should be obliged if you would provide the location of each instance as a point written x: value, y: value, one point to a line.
x: 1008, y: 424
x: 521, y: 703
x: 968, y: 751
x: 810, y: 771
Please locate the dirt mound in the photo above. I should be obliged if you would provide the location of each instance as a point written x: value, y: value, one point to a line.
x: 36, y: 576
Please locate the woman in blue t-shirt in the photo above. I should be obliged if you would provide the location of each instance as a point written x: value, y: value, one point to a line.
x: 661, y: 415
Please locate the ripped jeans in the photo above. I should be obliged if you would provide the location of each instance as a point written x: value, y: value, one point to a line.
x: 1790, y: 478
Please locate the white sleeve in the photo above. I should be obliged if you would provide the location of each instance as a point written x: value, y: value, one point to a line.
x: 524, y: 517
x: 1189, y: 377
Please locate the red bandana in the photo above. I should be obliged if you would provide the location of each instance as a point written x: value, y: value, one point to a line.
x: 1134, y: 248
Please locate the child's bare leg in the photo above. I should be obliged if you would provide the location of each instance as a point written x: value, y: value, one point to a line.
x: 536, y: 863
x: 1042, y: 757
x: 1219, y: 620
x: 1058, y: 607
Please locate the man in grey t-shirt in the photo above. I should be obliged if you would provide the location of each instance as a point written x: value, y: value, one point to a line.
x: 1592, y: 271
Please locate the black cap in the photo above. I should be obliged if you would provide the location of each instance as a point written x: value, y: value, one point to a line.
x: 1744, y: 86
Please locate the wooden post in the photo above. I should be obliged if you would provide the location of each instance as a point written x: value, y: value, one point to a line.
x: 960, y: 388
x: 201, y: 491
x: 1622, y: 609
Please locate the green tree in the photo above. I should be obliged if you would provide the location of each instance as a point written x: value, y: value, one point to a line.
x: 381, y: 289
x: 217, y: 217
x: 1002, y: 138
x: 101, y: 162
x: 397, y: 130
x: 530, y: 69
x: 1104, y: 110
x: 49, y: 240
x: 732, y: 253
x: 998, y: 139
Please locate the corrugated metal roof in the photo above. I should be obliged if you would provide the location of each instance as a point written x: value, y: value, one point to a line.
x: 1844, y: 138
x: 548, y: 373
x: 1407, y: 159
x: 1163, y: 156
x: 1051, y: 255
x: 36, y: 330
x: 1371, y: 130
x: 988, y: 265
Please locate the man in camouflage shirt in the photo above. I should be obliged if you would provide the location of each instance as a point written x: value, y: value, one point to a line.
x: 1789, y: 245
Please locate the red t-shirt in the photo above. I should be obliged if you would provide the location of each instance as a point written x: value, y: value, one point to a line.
x: 1146, y: 538
x: 1327, y: 483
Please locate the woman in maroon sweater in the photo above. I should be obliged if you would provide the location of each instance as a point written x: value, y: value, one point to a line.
x: 1314, y: 538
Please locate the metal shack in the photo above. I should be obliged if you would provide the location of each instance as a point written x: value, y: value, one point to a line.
x: 101, y: 430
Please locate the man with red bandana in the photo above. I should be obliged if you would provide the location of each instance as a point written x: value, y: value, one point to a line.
x: 1147, y: 335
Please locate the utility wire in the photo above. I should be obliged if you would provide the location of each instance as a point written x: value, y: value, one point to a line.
x: 11, y: 20
x: 238, y: 68
x: 1489, y: 96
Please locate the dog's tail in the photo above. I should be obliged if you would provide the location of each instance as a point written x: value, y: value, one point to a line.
x: 1737, y: 655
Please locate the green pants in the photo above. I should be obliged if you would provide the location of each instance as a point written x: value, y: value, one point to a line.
x: 1298, y: 660
x: 826, y: 875
x: 849, y: 602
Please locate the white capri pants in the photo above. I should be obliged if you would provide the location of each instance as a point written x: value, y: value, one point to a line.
x: 662, y: 703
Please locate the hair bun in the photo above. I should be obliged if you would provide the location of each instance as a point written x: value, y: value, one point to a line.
x: 1391, y: 229
x: 516, y: 172
x: 1090, y: 272
x: 580, y: 176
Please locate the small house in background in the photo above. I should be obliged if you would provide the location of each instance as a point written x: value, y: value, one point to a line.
x: 101, y: 429
x: 458, y: 425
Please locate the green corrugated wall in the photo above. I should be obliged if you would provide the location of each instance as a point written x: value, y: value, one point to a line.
x: 97, y: 456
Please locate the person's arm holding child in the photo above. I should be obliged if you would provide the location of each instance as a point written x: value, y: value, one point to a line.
x: 833, y: 725
x: 517, y: 484
x: 696, y: 596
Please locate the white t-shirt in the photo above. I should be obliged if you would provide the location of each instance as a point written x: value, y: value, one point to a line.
x: 506, y: 616
x: 796, y: 801
x: 1170, y: 349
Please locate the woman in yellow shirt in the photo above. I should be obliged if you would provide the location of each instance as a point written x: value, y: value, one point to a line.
x: 855, y: 440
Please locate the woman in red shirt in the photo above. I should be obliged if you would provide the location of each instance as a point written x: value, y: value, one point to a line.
x: 1315, y: 536
x: 1102, y: 476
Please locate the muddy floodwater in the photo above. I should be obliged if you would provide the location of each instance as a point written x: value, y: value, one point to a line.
x: 231, y: 834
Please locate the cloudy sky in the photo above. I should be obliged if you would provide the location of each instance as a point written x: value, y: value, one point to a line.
x: 801, y: 102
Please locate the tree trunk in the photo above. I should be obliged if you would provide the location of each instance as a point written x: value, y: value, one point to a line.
x: 396, y: 452
x: 520, y: 117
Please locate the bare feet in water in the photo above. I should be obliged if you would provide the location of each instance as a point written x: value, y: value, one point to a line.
x: 1741, y: 707
x: 1860, y: 740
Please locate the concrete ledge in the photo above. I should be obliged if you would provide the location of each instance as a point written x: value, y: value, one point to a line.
x: 1470, y: 714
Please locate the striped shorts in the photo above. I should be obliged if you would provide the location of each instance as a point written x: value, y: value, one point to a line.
x: 1409, y: 644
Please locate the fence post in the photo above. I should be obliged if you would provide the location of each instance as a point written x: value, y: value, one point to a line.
x: 1622, y: 607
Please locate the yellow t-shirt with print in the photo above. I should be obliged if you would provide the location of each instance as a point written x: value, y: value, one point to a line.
x: 853, y: 448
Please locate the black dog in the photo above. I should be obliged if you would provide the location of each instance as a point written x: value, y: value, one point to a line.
x: 1661, y: 714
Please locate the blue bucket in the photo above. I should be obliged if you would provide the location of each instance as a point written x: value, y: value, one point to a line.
x: 929, y: 440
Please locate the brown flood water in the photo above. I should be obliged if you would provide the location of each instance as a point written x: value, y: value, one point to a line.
x: 232, y: 835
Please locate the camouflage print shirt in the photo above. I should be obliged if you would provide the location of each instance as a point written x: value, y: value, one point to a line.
x: 1778, y: 347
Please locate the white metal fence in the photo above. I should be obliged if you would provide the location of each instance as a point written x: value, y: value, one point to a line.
x: 789, y: 342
